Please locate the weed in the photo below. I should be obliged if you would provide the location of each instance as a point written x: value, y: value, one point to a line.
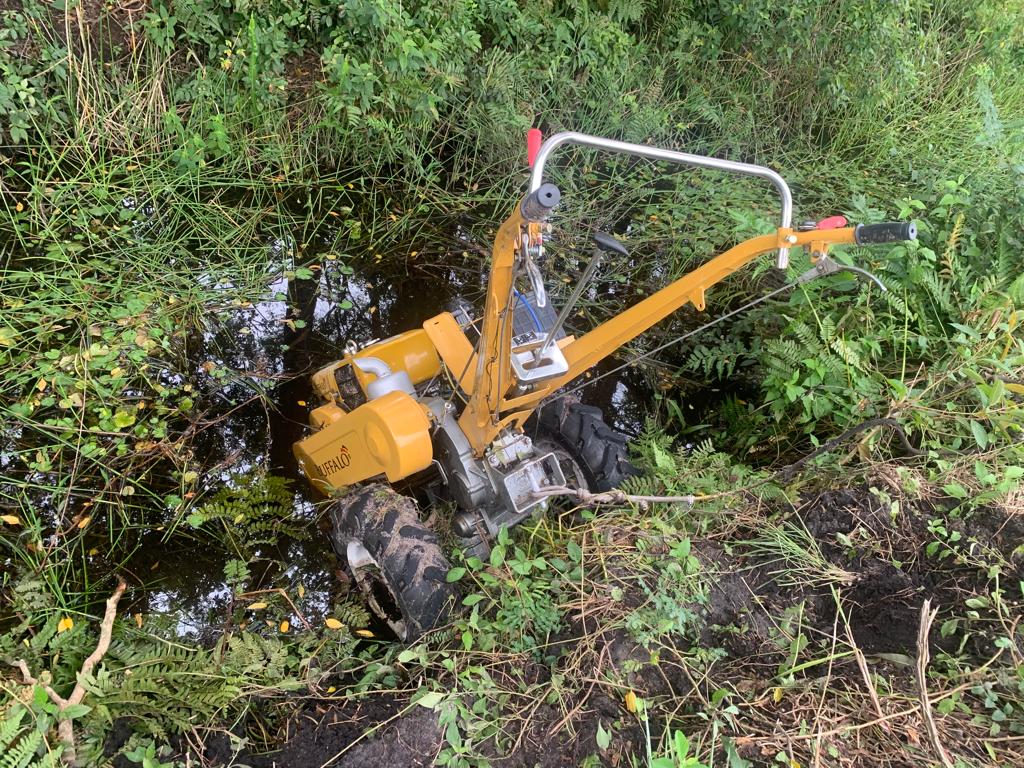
x: 166, y: 174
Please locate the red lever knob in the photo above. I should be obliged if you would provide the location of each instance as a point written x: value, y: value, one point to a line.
x: 832, y: 222
x: 533, y: 141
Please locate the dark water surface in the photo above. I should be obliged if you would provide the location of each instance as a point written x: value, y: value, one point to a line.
x: 260, y: 407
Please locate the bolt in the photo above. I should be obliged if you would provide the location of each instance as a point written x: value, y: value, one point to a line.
x: 791, y: 239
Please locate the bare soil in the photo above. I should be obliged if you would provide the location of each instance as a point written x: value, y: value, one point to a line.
x: 891, y: 577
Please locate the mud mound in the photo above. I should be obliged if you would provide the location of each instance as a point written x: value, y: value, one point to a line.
x: 879, y: 556
x: 335, y: 734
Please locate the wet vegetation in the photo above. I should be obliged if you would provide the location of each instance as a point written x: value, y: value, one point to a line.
x: 204, y: 201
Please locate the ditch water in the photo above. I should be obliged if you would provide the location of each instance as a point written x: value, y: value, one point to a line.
x: 251, y: 371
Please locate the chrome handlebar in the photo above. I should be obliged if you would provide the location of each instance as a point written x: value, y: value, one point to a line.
x: 683, y: 158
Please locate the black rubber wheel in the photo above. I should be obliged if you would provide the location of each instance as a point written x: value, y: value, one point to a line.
x: 600, y: 452
x: 395, y: 559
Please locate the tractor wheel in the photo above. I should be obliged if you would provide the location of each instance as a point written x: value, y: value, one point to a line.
x: 599, y: 453
x: 395, y: 559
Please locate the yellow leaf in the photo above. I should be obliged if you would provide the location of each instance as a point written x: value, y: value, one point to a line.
x: 117, y: 372
x: 257, y: 606
x: 302, y: 403
x: 794, y: 764
x: 631, y: 701
x: 284, y: 626
x: 332, y: 689
x: 302, y: 591
x: 41, y: 385
x: 94, y: 551
x: 333, y: 624
x: 364, y: 633
x: 138, y: 620
x: 777, y: 695
x: 11, y: 519
x: 84, y: 521
x: 65, y: 624
x: 239, y: 517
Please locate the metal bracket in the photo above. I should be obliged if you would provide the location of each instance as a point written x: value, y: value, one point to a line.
x: 826, y: 266
x: 531, y: 368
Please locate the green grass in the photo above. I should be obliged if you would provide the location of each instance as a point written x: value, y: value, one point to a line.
x: 373, y: 133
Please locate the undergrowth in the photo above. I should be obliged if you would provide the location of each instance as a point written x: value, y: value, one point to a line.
x: 181, y: 183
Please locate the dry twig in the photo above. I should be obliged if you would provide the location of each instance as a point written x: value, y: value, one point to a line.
x: 921, y: 670
x: 65, y: 729
x: 862, y: 663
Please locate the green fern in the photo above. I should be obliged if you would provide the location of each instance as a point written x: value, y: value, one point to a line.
x: 254, y: 512
x: 164, y: 688
x: 23, y: 744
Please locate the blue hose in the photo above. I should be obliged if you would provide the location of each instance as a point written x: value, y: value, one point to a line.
x: 536, y: 320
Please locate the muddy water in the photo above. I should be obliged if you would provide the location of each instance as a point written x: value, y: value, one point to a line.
x: 259, y: 406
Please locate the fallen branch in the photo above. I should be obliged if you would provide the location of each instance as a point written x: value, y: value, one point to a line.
x: 614, y: 496
x: 921, y: 671
x: 65, y: 727
x: 865, y: 673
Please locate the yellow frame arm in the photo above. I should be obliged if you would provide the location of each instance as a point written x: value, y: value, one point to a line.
x: 490, y: 409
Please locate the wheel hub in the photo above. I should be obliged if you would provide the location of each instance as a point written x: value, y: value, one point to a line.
x: 379, y: 595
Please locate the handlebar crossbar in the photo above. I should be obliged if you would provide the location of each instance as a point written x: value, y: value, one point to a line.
x: 671, y: 156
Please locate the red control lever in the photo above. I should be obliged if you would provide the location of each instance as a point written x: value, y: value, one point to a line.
x: 832, y: 222
x: 533, y: 141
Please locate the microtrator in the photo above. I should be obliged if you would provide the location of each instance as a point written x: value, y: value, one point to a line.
x: 476, y: 407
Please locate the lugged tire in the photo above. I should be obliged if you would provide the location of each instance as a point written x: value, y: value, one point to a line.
x: 409, y: 559
x: 601, y: 452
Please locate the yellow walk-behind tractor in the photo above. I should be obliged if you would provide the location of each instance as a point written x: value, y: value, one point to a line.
x: 483, y: 423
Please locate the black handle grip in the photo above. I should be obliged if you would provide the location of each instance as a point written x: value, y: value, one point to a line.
x: 886, y: 232
x: 538, y: 205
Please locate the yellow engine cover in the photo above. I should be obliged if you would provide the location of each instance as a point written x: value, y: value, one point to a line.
x: 389, y: 436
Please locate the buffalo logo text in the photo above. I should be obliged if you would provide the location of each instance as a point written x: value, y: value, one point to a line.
x: 336, y: 464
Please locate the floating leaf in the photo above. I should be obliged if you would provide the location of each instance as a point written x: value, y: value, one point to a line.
x: 333, y: 624
x: 123, y: 419
x: 65, y: 624
x: 631, y: 701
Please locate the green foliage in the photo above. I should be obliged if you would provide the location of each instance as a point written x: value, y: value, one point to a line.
x: 524, y: 590
x: 249, y: 512
x: 673, y: 600
x: 147, y: 171
x: 678, y: 754
x: 24, y: 741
